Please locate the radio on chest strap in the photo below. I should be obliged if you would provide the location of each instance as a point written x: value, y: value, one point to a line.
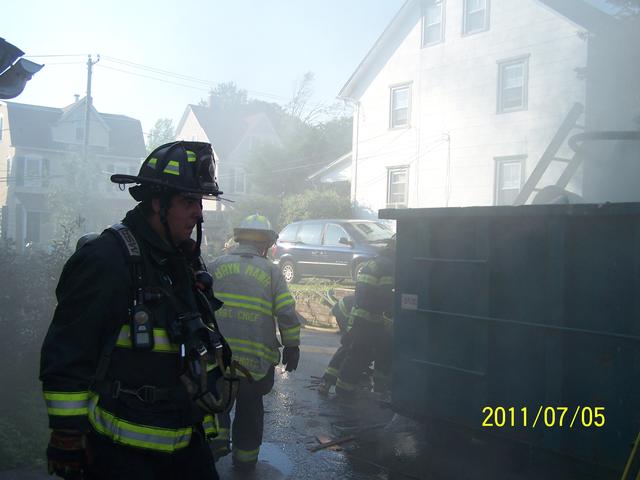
x: 140, y: 317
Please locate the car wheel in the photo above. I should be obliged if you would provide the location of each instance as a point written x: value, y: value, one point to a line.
x: 356, y: 269
x: 289, y: 271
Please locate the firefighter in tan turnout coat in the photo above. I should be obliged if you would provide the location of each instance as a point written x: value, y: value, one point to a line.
x: 256, y: 299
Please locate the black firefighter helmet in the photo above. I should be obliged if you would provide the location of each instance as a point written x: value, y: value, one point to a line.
x: 176, y: 167
x: 187, y: 167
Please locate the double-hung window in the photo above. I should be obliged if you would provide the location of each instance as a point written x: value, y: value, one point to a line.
x: 400, y: 106
x: 397, y: 187
x: 433, y: 22
x: 239, y: 180
x: 509, y: 179
x: 513, y: 84
x: 476, y: 16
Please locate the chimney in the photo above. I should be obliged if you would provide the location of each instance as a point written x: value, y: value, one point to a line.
x: 210, y: 103
x: 77, y: 97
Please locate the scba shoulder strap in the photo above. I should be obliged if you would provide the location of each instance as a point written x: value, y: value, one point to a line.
x: 141, y: 325
x: 133, y: 256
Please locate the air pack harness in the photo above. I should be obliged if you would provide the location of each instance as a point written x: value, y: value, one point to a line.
x: 197, y: 339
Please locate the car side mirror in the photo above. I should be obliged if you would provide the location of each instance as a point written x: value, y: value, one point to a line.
x: 345, y: 241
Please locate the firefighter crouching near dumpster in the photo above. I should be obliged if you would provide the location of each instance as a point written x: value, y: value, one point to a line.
x: 255, y: 294
x: 341, y: 310
x: 370, y: 335
x: 122, y: 362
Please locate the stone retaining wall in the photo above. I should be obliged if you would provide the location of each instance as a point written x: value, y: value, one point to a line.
x: 315, y: 311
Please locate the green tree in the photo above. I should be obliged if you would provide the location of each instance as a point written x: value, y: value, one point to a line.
x: 162, y: 132
x: 227, y: 95
x: 283, y: 169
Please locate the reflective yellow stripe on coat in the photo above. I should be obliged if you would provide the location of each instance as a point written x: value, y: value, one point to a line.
x: 132, y: 434
x: 161, y: 342
x: 66, y: 404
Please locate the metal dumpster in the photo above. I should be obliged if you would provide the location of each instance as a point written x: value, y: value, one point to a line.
x: 532, y: 307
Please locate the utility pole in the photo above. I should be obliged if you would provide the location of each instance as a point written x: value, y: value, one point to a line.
x: 87, y: 113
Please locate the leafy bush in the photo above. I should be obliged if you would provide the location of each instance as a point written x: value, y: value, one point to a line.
x: 27, y: 301
x: 314, y: 204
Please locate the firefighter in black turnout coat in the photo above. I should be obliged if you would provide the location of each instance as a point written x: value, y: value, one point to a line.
x: 129, y: 365
x: 370, y: 334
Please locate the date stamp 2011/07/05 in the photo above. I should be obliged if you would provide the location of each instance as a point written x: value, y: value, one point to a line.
x: 579, y: 416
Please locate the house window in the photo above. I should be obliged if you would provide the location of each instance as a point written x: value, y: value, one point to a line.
x: 433, y: 22
x: 509, y: 179
x: 397, y: 187
x: 79, y: 134
x: 400, y: 103
x: 239, y: 180
x: 33, y: 172
x: 513, y: 84
x: 18, y: 166
x: 45, y: 172
x: 476, y: 16
x: 1, y: 126
x: 32, y: 223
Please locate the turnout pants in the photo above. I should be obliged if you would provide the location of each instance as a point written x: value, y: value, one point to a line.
x: 248, y: 421
x: 111, y: 461
x: 333, y: 369
x: 370, y: 342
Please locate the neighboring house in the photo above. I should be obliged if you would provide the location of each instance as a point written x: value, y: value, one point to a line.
x: 458, y: 100
x: 337, y: 171
x: 39, y: 147
x: 232, y: 135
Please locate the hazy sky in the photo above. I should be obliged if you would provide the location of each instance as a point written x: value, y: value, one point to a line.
x: 264, y: 46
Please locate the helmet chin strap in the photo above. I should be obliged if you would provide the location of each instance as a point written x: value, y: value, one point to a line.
x: 199, y: 233
x: 164, y: 209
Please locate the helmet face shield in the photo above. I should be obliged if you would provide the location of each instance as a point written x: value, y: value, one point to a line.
x: 186, y: 167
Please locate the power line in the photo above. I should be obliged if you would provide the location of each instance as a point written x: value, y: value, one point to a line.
x: 58, y: 55
x: 153, y: 78
x: 181, y: 76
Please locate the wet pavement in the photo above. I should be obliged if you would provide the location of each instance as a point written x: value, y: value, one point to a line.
x: 296, y: 414
x: 386, y: 446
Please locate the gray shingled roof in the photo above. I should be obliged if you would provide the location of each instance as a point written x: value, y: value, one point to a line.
x: 224, y: 129
x: 31, y: 127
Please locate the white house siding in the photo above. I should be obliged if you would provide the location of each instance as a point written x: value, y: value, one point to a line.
x: 191, y: 130
x: 454, y: 96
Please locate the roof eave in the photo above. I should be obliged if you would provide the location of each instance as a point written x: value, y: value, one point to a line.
x: 346, y: 92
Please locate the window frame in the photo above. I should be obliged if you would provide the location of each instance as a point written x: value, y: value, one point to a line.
x: 502, y: 65
x: 37, y: 180
x: 465, y: 14
x: 390, y: 171
x: 1, y: 126
x: 392, y: 89
x: 292, y: 239
x: 326, y: 230
x: 239, y: 173
x: 309, y: 225
x: 498, y: 176
x: 37, y: 214
x: 425, y: 7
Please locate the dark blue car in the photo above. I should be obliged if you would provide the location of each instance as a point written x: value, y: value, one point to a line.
x: 328, y: 248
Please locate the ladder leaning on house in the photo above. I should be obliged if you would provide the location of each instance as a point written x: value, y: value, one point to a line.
x: 571, y: 164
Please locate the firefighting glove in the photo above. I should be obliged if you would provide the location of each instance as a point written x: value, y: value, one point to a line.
x: 67, y: 454
x: 290, y: 358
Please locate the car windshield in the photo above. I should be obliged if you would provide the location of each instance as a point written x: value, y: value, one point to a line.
x: 373, y: 231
